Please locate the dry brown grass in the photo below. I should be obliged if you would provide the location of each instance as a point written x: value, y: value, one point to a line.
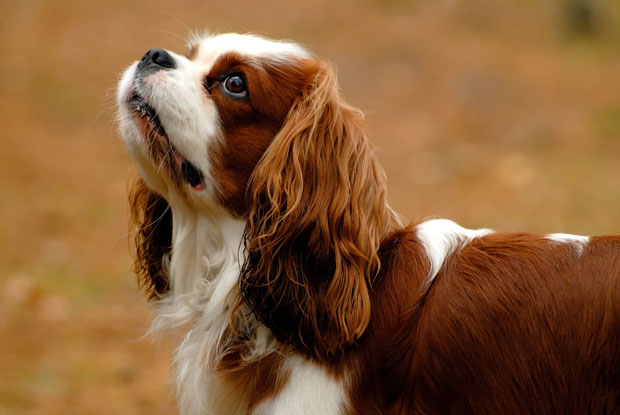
x: 490, y: 113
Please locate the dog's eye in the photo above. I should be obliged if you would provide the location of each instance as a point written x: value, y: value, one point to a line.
x: 236, y: 86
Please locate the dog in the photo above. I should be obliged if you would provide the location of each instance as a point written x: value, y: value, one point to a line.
x: 262, y: 228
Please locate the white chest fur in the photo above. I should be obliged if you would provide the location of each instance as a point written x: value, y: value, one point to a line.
x: 310, y: 390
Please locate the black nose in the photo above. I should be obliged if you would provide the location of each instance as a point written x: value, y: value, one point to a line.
x: 156, y: 59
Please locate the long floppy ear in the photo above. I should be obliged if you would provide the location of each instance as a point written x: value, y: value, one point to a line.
x: 151, y: 223
x: 317, y: 215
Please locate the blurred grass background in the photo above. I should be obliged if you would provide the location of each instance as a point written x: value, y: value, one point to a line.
x: 500, y: 114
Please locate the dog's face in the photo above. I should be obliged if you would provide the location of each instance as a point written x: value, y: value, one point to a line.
x: 258, y: 128
x: 198, y: 124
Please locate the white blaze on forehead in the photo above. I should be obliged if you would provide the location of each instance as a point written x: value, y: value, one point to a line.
x: 210, y: 47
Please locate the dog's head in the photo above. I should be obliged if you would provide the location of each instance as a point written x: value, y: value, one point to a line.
x: 257, y: 129
x: 198, y: 124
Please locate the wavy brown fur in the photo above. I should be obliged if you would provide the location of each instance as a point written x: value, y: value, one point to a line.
x: 318, y: 214
x: 151, y: 222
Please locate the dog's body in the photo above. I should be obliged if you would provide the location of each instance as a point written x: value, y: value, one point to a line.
x: 263, y: 226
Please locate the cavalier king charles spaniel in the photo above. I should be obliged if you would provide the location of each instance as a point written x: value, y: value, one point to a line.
x: 263, y: 231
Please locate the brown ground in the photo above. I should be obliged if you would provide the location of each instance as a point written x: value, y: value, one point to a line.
x: 492, y: 113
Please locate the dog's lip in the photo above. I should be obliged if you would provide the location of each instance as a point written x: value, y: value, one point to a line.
x: 144, y: 113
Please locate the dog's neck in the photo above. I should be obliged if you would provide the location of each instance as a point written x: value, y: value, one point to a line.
x: 205, y: 246
x: 203, y: 269
x: 202, y: 266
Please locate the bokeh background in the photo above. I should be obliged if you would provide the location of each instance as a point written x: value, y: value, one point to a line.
x: 503, y: 114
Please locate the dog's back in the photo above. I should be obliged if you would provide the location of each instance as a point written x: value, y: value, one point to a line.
x: 510, y: 324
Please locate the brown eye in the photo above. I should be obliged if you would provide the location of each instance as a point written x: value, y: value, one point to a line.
x: 235, y: 85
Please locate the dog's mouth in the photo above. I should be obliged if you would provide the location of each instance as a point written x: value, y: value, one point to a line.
x: 159, y: 144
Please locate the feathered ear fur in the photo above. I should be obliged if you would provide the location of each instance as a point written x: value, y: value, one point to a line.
x: 317, y: 216
x: 151, y: 222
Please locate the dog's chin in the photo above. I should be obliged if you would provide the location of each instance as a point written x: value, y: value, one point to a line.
x: 161, y: 150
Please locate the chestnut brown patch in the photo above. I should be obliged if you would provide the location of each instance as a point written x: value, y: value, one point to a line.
x: 250, y: 124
